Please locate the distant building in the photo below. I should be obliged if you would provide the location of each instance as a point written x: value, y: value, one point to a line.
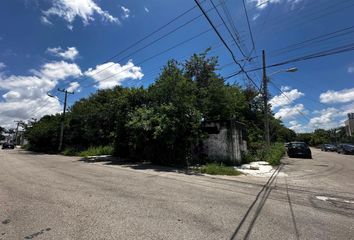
x: 226, y: 141
x: 349, y: 125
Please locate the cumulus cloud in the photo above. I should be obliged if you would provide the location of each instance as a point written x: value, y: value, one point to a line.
x: 26, y: 96
x: 69, y: 10
x: 70, y: 53
x: 126, y: 12
x: 114, y: 74
x: 282, y: 100
x: 342, y: 96
x: 327, y: 118
x: 296, y: 126
x: 290, y: 112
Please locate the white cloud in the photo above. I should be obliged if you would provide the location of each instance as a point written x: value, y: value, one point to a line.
x: 146, y: 9
x: 70, y: 9
x: 45, y: 21
x: 26, y: 96
x: 254, y: 18
x: 114, y: 74
x: 73, y: 86
x: 261, y: 4
x: 290, y: 112
x: 351, y: 69
x: 296, y: 126
x: 70, y: 53
x: 281, y: 100
x: 2, y: 65
x: 126, y: 12
x: 327, y: 118
x: 58, y: 70
x: 342, y: 96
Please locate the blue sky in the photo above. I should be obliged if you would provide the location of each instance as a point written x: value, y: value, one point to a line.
x: 46, y: 44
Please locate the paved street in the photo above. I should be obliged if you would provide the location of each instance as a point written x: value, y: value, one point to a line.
x: 56, y: 197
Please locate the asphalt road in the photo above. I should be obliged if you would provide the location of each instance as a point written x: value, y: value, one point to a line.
x: 56, y: 197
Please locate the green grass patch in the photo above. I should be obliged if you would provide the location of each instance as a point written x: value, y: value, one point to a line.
x: 97, y: 151
x: 219, y: 169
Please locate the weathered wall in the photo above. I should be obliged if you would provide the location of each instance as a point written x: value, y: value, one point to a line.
x: 225, y: 143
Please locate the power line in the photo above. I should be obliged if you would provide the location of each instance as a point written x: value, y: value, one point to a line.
x: 320, y: 38
x: 249, y: 25
x: 227, y: 28
x: 225, y: 44
x: 333, y: 51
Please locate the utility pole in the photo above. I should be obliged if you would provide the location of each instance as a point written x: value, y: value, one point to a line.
x: 63, y: 118
x: 18, y: 124
x: 265, y: 101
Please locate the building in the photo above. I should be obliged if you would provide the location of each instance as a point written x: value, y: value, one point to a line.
x: 349, y: 125
x: 225, y: 142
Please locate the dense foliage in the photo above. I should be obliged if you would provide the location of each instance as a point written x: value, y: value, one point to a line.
x: 321, y: 136
x: 2, y: 130
x: 161, y: 123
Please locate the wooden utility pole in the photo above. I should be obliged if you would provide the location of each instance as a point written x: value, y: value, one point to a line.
x: 265, y: 101
x: 63, y: 118
x: 16, y: 133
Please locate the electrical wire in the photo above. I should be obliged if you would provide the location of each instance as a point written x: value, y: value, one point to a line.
x: 225, y: 44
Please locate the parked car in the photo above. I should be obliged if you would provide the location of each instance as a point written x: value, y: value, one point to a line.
x: 328, y: 147
x: 299, y: 149
x: 7, y: 145
x: 345, y: 148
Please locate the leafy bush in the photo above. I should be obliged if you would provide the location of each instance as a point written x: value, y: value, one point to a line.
x: 97, y: 151
x: 275, y: 153
x: 69, y: 152
x: 219, y: 169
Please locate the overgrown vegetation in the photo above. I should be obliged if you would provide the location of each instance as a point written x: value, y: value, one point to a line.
x: 275, y: 153
x: 219, y: 169
x: 260, y: 152
x: 321, y: 136
x: 97, y: 151
x: 161, y: 123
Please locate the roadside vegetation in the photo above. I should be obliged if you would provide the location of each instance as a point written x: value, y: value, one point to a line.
x: 97, y: 151
x: 219, y: 169
x: 160, y: 123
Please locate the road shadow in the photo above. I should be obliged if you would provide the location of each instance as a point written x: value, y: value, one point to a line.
x: 115, y: 161
x: 261, y: 199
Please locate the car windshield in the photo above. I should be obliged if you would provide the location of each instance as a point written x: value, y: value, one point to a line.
x: 298, y: 144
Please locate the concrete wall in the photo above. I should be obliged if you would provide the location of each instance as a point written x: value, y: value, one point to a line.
x: 225, y: 141
x: 349, y: 127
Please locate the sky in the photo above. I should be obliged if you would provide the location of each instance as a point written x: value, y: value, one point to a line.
x: 86, y: 45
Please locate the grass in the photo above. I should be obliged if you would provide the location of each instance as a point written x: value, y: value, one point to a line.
x: 97, y: 151
x: 219, y: 169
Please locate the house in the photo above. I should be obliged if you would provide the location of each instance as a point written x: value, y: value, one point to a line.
x: 225, y: 142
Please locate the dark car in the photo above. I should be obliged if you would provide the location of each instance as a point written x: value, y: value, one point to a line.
x: 345, y: 148
x: 329, y: 147
x: 7, y: 145
x: 299, y: 149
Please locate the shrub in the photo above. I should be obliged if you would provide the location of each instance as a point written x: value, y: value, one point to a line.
x: 219, y: 169
x: 275, y: 153
x: 69, y: 152
x: 97, y: 151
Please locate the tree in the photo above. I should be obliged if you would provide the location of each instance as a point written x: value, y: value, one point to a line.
x: 2, y: 130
